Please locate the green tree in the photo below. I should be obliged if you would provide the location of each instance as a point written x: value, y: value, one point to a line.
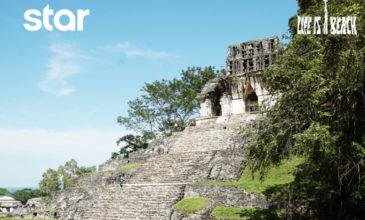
x: 70, y: 171
x: 83, y: 170
x: 167, y: 102
x: 50, y: 183
x: 63, y: 177
x: 24, y: 195
x: 67, y: 173
x: 320, y: 114
x: 114, y: 155
x: 4, y: 192
x: 135, y: 142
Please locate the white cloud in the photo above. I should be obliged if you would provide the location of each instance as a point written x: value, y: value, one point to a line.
x: 150, y: 53
x: 61, y: 66
x: 130, y: 50
x: 119, y: 47
x: 65, y: 62
x: 26, y: 154
x: 86, y: 146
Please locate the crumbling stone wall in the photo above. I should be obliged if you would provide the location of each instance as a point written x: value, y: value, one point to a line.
x: 251, y: 56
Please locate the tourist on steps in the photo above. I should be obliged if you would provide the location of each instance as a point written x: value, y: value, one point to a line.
x: 121, y: 180
x: 225, y: 124
x: 192, y: 123
x: 165, y: 149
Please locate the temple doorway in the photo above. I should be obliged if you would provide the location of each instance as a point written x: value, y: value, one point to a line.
x: 216, y: 101
x: 251, y: 99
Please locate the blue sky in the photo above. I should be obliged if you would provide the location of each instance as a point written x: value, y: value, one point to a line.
x: 61, y: 92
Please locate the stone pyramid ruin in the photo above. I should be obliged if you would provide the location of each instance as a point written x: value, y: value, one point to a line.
x: 203, y: 153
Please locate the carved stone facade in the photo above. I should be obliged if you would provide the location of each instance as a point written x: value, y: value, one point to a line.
x: 250, y: 57
x: 240, y: 90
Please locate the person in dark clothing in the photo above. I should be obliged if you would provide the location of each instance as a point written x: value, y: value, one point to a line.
x: 121, y: 180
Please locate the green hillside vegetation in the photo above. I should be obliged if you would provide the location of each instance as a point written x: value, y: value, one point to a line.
x: 4, y: 192
x: 130, y: 166
x: 282, y: 174
x: 275, y: 176
x: 22, y: 195
x: 191, y: 205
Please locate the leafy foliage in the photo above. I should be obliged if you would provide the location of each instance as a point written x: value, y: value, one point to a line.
x: 167, y: 102
x: 134, y: 142
x: 70, y: 171
x: 50, y: 182
x: 24, y: 195
x: 55, y: 180
x: 320, y: 114
x: 4, y: 192
x: 67, y: 173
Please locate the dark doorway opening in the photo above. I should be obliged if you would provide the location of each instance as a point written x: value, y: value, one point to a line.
x: 251, y: 99
x: 252, y: 102
x: 216, y: 101
x: 217, y: 108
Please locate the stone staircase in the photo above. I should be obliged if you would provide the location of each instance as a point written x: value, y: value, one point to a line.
x: 209, y: 136
x: 135, y: 202
x: 160, y: 182
x: 174, y: 168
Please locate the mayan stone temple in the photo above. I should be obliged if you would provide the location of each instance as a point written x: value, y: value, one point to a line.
x: 206, y: 153
x: 240, y: 90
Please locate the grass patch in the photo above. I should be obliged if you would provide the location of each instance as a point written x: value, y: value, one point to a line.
x: 245, y: 213
x: 130, y: 166
x: 276, y: 176
x: 191, y: 205
x: 279, y: 175
x: 99, y: 172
